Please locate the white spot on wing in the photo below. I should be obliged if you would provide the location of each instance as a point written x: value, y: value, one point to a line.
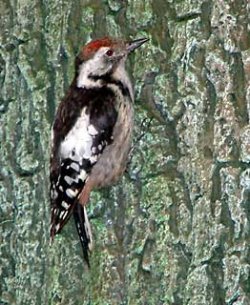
x: 58, y: 180
x: 61, y: 214
x: 92, y: 131
x: 83, y: 175
x: 54, y: 194
x: 75, y: 166
x: 93, y: 159
x: 69, y: 180
x: 65, y: 205
x: 71, y: 193
x: 52, y: 136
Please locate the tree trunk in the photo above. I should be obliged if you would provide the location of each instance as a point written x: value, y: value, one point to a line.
x: 175, y: 230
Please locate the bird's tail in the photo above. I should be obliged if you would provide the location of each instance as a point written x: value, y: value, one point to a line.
x: 83, y: 230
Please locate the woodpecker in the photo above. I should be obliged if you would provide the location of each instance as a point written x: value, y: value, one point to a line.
x: 91, y: 133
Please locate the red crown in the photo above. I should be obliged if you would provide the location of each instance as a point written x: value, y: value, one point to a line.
x: 90, y: 48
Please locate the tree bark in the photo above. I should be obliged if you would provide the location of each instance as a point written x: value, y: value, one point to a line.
x: 176, y: 229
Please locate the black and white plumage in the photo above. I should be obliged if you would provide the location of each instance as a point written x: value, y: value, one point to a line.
x: 91, y: 133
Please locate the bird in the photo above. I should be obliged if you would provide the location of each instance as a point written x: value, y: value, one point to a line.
x: 91, y: 133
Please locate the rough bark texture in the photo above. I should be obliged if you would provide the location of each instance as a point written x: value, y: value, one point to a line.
x: 176, y: 229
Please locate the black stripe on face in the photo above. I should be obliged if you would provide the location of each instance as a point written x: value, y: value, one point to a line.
x: 108, y: 79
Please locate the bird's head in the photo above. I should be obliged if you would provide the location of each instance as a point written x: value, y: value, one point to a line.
x: 102, y: 56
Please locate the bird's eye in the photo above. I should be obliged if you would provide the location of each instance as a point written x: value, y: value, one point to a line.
x: 109, y: 52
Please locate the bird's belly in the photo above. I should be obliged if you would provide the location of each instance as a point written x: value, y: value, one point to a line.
x: 110, y: 166
x: 113, y: 160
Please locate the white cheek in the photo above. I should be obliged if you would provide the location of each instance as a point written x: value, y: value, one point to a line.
x: 85, y: 70
x: 95, y: 66
x: 83, y: 81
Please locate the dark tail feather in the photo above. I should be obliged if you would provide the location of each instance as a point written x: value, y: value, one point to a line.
x: 83, y: 230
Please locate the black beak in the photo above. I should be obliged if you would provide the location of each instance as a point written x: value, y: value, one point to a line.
x: 132, y: 45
